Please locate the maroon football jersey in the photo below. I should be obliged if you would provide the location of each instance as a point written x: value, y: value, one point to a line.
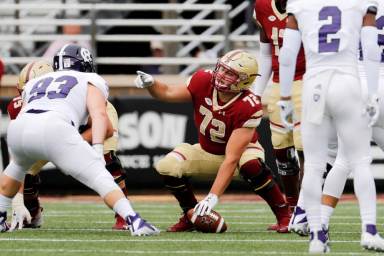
x: 273, y: 23
x: 14, y: 107
x: 216, y: 120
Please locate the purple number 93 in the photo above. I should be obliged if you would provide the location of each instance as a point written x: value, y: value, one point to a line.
x: 39, y: 89
x: 332, y: 45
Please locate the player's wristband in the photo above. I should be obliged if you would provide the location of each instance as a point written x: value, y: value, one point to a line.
x: 99, y: 148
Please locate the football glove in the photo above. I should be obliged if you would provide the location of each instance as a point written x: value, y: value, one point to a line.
x: 286, y: 113
x: 372, y: 109
x: 205, y: 206
x: 19, y: 213
x: 143, y: 80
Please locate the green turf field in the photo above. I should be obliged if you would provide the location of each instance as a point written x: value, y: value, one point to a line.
x: 74, y: 228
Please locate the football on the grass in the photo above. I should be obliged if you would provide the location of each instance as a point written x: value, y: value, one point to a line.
x: 210, y: 223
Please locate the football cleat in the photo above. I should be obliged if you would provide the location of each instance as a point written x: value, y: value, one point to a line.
x: 120, y: 223
x: 281, y: 226
x: 319, y: 242
x: 3, y: 222
x: 139, y: 227
x: 37, y: 219
x: 184, y: 225
x: 371, y: 240
x: 299, y: 222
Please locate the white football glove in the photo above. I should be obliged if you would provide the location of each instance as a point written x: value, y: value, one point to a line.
x: 205, y: 206
x: 143, y: 80
x: 372, y: 109
x: 286, y: 113
x: 19, y: 213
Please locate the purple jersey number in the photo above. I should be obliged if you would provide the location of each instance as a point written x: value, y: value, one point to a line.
x: 332, y: 45
x: 380, y: 26
x: 40, y: 88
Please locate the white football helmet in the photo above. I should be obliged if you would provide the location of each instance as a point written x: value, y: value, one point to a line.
x: 235, y: 71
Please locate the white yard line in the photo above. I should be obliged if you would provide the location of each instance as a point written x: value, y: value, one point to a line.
x: 151, y: 240
x: 65, y: 230
x: 200, y: 252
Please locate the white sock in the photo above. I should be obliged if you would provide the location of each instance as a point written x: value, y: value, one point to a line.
x: 326, y: 213
x: 300, y: 201
x: 5, y: 203
x: 123, y: 208
x: 365, y: 191
x: 311, y: 187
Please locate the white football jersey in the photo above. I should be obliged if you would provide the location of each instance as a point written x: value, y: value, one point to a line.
x: 64, y: 92
x: 380, y: 40
x: 330, y: 31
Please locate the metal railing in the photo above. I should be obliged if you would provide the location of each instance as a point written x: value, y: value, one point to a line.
x: 217, y: 30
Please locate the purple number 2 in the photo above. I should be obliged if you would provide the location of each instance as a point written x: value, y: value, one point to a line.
x: 39, y: 90
x: 332, y: 45
x: 380, y: 26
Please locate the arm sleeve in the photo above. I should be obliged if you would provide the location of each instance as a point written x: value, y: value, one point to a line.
x: 287, y: 60
x: 265, y: 60
x: 372, y: 57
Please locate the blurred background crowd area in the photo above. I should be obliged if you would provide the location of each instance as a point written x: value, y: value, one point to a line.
x: 161, y: 37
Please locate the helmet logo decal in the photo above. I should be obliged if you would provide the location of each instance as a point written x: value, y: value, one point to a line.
x: 86, y: 54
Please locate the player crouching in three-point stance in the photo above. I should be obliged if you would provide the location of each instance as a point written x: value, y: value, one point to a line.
x: 27, y: 211
x: 54, y: 106
x: 330, y: 31
x: 226, y: 116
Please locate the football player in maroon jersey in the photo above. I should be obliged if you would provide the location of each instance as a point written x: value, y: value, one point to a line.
x: 226, y: 114
x: 271, y: 17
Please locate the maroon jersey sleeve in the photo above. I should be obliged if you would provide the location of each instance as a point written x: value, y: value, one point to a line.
x: 14, y: 107
x: 198, y: 83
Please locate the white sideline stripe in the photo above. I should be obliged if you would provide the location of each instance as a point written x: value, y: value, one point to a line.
x: 147, y: 240
x: 202, y: 252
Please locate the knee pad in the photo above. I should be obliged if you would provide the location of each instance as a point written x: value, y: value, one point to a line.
x: 257, y: 174
x: 15, y: 171
x: 103, y: 183
x: 170, y: 165
x: 286, y: 161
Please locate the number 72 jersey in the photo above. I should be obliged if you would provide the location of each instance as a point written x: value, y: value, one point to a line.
x: 330, y: 31
x: 64, y: 92
x: 216, y: 120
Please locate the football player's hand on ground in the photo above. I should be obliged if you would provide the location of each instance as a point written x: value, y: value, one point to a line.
x: 372, y: 109
x: 19, y: 213
x: 143, y: 80
x: 286, y: 113
x: 205, y: 206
